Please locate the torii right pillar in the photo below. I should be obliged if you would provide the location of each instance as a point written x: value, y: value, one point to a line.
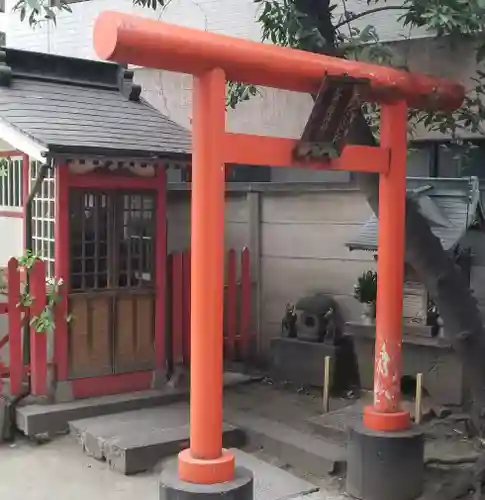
x: 385, y: 451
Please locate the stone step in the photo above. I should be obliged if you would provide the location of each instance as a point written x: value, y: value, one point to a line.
x: 300, y: 449
x: 133, y: 442
x: 335, y: 424
x: 270, y: 482
x: 40, y: 419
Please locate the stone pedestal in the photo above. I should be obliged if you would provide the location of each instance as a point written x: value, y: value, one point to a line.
x: 385, y: 465
x: 303, y: 363
x: 172, y: 488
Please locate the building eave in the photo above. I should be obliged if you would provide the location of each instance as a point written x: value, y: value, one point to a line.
x: 63, y: 151
x: 23, y: 142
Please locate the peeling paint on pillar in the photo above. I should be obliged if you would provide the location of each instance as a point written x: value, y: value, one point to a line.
x: 386, y: 379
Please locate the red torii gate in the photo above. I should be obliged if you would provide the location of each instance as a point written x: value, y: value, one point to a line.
x: 212, y: 59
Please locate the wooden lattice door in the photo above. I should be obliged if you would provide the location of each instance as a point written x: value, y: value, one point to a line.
x: 112, y: 282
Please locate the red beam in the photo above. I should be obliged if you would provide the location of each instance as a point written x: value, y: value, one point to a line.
x: 132, y: 39
x: 110, y: 182
x: 245, y: 149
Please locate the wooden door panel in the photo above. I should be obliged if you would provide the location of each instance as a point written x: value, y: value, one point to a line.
x: 90, y: 336
x: 134, y: 333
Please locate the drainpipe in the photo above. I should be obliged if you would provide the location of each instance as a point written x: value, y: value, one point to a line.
x: 8, y: 430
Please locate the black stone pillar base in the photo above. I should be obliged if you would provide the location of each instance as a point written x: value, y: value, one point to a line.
x: 172, y: 488
x: 385, y: 465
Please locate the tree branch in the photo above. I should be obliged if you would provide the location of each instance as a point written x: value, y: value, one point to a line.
x: 353, y: 17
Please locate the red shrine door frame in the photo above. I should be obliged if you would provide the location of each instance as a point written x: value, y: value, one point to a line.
x: 213, y: 59
x: 127, y: 376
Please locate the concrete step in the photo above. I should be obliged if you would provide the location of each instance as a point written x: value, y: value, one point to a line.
x: 270, y: 482
x: 300, y: 449
x: 335, y: 424
x: 40, y: 419
x: 133, y: 442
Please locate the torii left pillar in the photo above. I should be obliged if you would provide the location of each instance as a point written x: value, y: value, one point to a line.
x: 385, y: 458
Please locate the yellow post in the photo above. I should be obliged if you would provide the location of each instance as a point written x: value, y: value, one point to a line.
x: 326, y: 385
x: 418, y: 410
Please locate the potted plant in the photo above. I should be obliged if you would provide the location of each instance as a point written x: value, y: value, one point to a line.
x: 365, y: 291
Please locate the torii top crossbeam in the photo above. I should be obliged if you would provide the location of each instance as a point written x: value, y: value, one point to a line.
x: 129, y: 39
x: 213, y: 59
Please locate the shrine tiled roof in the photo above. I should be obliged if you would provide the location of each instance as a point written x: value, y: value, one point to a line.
x: 79, y: 106
x: 451, y: 206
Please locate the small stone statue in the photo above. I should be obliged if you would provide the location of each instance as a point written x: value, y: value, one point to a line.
x: 288, y: 323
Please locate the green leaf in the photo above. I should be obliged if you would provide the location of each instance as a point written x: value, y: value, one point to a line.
x: 34, y: 4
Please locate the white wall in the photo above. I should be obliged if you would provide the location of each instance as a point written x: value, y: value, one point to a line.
x: 12, y: 242
x: 3, y: 22
x: 72, y: 36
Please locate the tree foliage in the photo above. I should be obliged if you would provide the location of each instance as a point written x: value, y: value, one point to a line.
x: 34, y: 11
x: 285, y: 23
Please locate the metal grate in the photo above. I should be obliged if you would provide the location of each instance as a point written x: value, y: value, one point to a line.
x: 43, y: 218
x: 112, y: 240
x: 11, y: 182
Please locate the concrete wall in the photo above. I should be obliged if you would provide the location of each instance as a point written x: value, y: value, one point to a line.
x: 297, y: 238
x: 178, y: 221
x: 475, y: 239
x: 298, y: 244
x: 303, y: 251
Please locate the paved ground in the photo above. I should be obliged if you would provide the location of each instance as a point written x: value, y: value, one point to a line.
x: 58, y: 469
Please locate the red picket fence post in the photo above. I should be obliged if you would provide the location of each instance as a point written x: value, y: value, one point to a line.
x: 231, y: 304
x: 15, y: 327
x: 38, y: 340
x: 177, y: 307
x: 245, y: 308
x: 237, y: 328
x: 186, y: 266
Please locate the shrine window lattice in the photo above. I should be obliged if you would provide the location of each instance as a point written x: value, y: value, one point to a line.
x: 112, y: 240
x: 43, y: 218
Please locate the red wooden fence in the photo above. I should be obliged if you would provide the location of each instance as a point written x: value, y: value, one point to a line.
x: 237, y: 306
x: 237, y: 317
x: 15, y: 370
